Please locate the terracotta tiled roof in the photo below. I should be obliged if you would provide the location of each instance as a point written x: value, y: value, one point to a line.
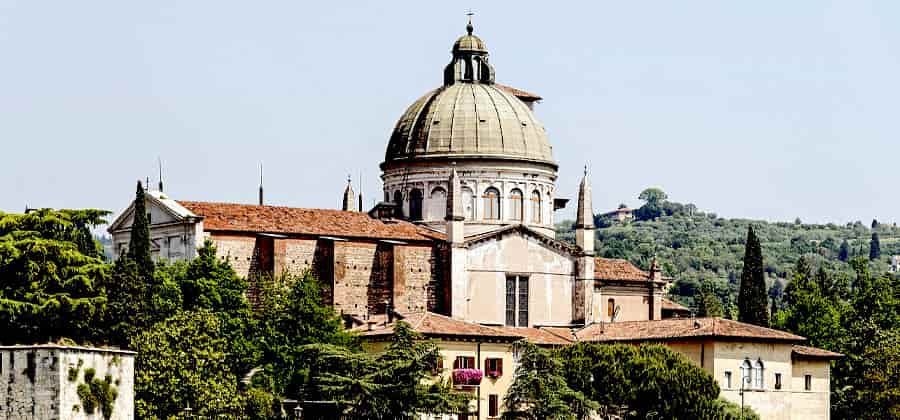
x: 616, y: 269
x: 668, y: 305
x: 814, y: 353
x: 233, y: 217
x: 681, y: 328
x: 519, y: 93
x: 542, y: 336
x: 432, y: 325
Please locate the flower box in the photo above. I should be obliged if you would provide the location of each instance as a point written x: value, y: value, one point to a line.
x: 469, y: 377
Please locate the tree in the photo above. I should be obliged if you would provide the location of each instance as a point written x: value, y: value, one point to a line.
x: 51, y: 270
x: 874, y: 223
x: 708, y: 304
x: 139, y: 243
x: 182, y: 362
x: 844, y: 253
x: 637, y: 381
x: 653, y: 196
x: 539, y: 391
x: 752, y: 301
x: 874, y: 247
x: 397, y: 383
x: 291, y: 315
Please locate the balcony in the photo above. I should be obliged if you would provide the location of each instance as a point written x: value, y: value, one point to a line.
x: 467, y: 377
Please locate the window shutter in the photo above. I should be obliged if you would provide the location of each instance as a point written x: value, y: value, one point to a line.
x: 470, y: 362
x: 456, y: 362
x: 499, y: 367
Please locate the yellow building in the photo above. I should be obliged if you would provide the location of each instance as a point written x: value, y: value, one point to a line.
x: 768, y: 369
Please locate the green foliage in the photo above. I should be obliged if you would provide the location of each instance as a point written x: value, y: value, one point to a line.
x: 51, y: 271
x: 540, y: 391
x: 753, y: 305
x: 874, y: 246
x: 292, y: 314
x: 637, y: 381
x: 393, y: 384
x: 844, y: 251
x: 732, y: 411
x: 708, y: 303
x: 183, y: 361
x: 96, y: 393
x: 139, y: 243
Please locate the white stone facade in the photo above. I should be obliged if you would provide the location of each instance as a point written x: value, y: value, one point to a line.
x: 534, y: 182
x: 41, y: 382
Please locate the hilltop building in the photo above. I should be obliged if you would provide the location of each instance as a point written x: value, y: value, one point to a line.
x: 463, y: 248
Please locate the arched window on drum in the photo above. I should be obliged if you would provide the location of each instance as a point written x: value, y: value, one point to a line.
x: 468, y: 201
x: 536, y: 207
x: 398, y: 200
x: 491, y: 204
x: 437, y: 204
x: 515, y: 205
x: 415, y: 204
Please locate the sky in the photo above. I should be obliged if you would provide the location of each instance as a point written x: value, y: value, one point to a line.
x: 764, y: 110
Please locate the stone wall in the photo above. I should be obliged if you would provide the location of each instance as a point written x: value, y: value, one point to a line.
x: 41, y: 382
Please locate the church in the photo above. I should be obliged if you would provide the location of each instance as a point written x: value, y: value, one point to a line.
x: 463, y: 248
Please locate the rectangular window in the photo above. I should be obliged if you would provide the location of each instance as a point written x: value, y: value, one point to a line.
x: 493, y: 367
x: 727, y: 379
x: 464, y: 362
x: 493, y: 405
x: 517, y: 301
x: 511, y: 301
x: 523, y: 301
x: 610, y: 308
x: 807, y: 382
x: 777, y: 381
x: 438, y: 366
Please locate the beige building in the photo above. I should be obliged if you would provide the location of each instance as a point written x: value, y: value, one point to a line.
x: 463, y: 245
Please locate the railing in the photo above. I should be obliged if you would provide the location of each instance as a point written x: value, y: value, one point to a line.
x: 467, y: 377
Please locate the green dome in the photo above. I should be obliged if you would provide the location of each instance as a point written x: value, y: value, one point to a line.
x: 468, y: 121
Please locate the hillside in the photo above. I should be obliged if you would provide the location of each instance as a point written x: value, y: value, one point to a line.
x: 694, y: 247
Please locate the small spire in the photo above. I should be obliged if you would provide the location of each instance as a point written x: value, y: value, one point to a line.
x: 159, y: 161
x: 349, y: 201
x: 585, y: 217
x: 260, y: 183
x: 469, y: 27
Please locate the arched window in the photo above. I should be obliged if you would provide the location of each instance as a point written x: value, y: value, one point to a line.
x: 491, y: 204
x: 398, y: 200
x: 746, y: 374
x: 535, y: 206
x: 758, y: 371
x: 515, y: 205
x: 415, y: 204
x: 437, y: 204
x: 468, y: 201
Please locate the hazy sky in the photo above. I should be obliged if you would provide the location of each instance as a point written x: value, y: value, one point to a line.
x: 764, y: 109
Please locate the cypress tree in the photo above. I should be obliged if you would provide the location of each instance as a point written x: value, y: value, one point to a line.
x: 139, y: 244
x: 844, y: 252
x: 752, y: 300
x: 874, y: 248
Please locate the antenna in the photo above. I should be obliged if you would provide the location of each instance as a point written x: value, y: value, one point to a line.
x: 261, y: 184
x: 159, y: 161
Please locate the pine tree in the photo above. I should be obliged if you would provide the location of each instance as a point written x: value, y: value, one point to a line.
x: 752, y: 300
x: 874, y: 248
x: 139, y: 245
x: 844, y: 252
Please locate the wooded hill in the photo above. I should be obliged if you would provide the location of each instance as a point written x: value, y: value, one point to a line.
x: 696, y: 247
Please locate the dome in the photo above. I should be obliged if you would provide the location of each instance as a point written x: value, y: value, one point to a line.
x: 469, y: 117
x: 469, y: 120
x: 469, y: 43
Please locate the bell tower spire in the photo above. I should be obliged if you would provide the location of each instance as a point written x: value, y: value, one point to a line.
x: 349, y: 202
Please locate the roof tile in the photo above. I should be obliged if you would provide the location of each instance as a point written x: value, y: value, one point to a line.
x: 234, y: 217
x: 675, y: 328
x: 814, y: 352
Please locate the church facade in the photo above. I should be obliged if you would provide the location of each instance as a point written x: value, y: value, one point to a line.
x: 462, y: 246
